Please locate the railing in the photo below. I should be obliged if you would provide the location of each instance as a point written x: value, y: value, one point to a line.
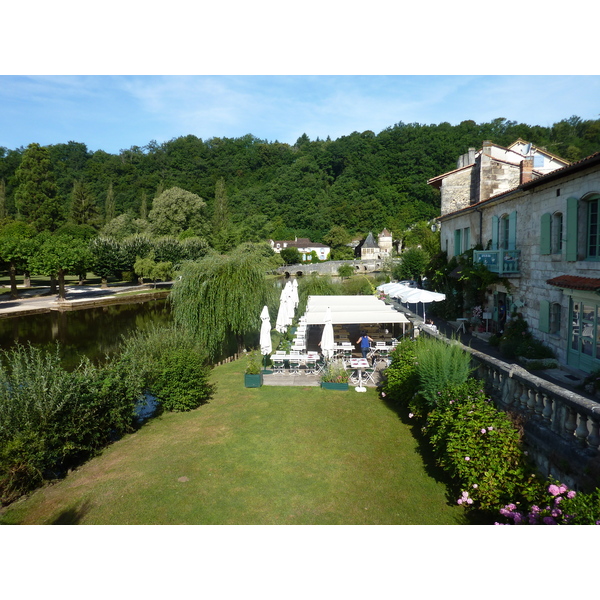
x: 561, y: 428
x: 503, y: 262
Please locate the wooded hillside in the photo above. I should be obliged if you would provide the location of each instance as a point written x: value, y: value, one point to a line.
x: 362, y: 181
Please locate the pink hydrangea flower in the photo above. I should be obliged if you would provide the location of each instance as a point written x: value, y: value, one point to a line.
x: 467, y: 458
x: 554, y: 490
x: 484, y: 430
x: 571, y: 494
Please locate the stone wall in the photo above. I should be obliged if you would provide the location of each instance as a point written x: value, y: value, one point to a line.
x: 331, y: 267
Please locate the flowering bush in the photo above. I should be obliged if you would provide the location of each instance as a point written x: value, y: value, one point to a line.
x: 476, y: 315
x: 478, y: 446
x: 557, y: 506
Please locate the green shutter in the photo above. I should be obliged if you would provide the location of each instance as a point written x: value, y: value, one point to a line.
x: 457, y: 242
x: 545, y: 234
x: 572, y: 228
x: 544, y: 324
x: 494, y: 232
x: 467, y: 238
x: 512, y: 230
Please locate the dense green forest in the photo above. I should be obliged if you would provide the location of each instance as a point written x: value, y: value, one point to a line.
x: 255, y: 189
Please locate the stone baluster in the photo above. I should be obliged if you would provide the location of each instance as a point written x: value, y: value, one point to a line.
x: 531, y: 400
x: 539, y: 405
x: 582, y: 433
x: 547, y: 413
x: 524, y: 397
x: 517, y: 396
x: 570, y: 423
x: 594, y: 437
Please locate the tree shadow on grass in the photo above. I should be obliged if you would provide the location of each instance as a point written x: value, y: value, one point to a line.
x: 73, y: 515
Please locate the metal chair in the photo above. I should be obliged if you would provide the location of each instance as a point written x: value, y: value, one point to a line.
x: 278, y: 365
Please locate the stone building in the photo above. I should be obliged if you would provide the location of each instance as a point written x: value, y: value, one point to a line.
x: 371, y: 249
x: 542, y: 235
x: 305, y: 247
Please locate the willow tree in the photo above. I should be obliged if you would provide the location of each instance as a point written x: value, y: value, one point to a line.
x: 222, y: 295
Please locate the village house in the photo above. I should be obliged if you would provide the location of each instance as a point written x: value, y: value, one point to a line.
x: 535, y: 220
x: 305, y: 247
x: 369, y: 249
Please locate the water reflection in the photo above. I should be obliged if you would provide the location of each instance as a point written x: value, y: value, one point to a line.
x: 93, y: 332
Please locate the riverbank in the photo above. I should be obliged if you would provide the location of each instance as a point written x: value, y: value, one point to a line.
x: 39, y: 300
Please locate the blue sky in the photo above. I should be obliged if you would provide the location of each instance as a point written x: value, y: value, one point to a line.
x: 113, y: 112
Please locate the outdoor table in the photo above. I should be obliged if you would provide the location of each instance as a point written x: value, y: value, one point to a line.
x: 359, y: 364
x: 462, y: 322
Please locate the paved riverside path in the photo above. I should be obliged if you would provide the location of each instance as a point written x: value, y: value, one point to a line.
x: 39, y: 300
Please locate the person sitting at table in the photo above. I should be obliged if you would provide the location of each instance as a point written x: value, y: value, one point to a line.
x: 365, y: 343
x: 431, y: 325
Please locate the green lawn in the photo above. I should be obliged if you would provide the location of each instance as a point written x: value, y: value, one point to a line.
x: 270, y: 455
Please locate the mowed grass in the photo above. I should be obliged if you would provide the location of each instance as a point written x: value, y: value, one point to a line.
x: 270, y: 455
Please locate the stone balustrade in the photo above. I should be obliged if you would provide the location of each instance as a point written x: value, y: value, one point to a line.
x: 561, y: 428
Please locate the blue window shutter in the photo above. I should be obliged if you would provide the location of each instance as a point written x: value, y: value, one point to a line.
x: 572, y: 229
x: 512, y: 230
x: 545, y: 234
x: 457, y: 242
x: 544, y: 324
x: 494, y: 232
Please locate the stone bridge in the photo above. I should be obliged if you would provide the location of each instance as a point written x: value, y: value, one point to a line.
x: 331, y: 267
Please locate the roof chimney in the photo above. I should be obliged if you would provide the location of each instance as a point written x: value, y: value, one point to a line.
x: 526, y: 170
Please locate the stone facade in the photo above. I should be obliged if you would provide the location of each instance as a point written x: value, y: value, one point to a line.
x: 545, y: 225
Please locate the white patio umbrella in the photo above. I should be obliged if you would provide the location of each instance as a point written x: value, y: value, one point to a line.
x: 265, y: 334
x: 327, y: 341
x: 415, y: 296
x: 282, y: 314
x: 289, y: 299
x: 295, y: 296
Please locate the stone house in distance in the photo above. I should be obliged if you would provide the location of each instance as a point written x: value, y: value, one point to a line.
x: 370, y: 249
x: 537, y: 222
x: 305, y: 247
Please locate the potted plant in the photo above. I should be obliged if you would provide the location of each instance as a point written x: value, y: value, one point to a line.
x: 253, y: 376
x: 334, y: 377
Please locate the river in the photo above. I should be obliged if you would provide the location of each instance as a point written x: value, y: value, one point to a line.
x: 93, y: 332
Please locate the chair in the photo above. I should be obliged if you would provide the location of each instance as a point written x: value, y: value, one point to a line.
x: 295, y: 365
x: 278, y: 364
x: 311, y: 364
x: 369, y: 375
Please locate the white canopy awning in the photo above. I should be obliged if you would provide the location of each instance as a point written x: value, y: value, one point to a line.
x: 348, y: 310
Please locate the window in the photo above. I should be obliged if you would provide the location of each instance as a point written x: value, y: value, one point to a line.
x: 504, y: 232
x: 556, y: 232
x: 555, y: 318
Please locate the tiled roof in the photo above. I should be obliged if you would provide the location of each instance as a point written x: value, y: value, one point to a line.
x: 574, y: 282
x: 370, y: 242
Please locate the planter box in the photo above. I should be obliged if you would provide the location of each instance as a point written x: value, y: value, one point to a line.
x: 252, y: 381
x: 330, y: 385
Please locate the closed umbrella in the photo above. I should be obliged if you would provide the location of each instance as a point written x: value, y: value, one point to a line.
x: 327, y: 341
x: 295, y: 296
x: 283, y: 319
x: 265, y: 334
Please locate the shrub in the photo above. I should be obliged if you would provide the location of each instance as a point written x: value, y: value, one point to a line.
x: 479, y: 447
x: 335, y: 373
x: 556, y: 505
x: 171, y: 365
x: 52, y: 420
x: 401, y: 381
x: 253, y: 363
x: 180, y: 383
x: 438, y: 366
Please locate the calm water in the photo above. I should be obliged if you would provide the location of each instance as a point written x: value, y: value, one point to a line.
x: 93, y: 332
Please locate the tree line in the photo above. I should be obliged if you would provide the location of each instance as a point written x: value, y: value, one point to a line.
x: 218, y: 193
x: 257, y: 189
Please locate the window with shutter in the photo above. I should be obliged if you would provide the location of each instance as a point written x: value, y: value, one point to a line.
x: 544, y: 324
x: 572, y: 228
x: 546, y: 234
x: 512, y: 231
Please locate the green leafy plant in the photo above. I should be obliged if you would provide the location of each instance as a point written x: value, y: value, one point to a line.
x: 439, y: 365
x: 334, y: 372
x: 253, y: 363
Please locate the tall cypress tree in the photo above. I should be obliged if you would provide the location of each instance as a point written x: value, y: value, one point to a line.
x: 83, y: 206
x: 2, y: 199
x: 36, y: 196
x: 144, y: 207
